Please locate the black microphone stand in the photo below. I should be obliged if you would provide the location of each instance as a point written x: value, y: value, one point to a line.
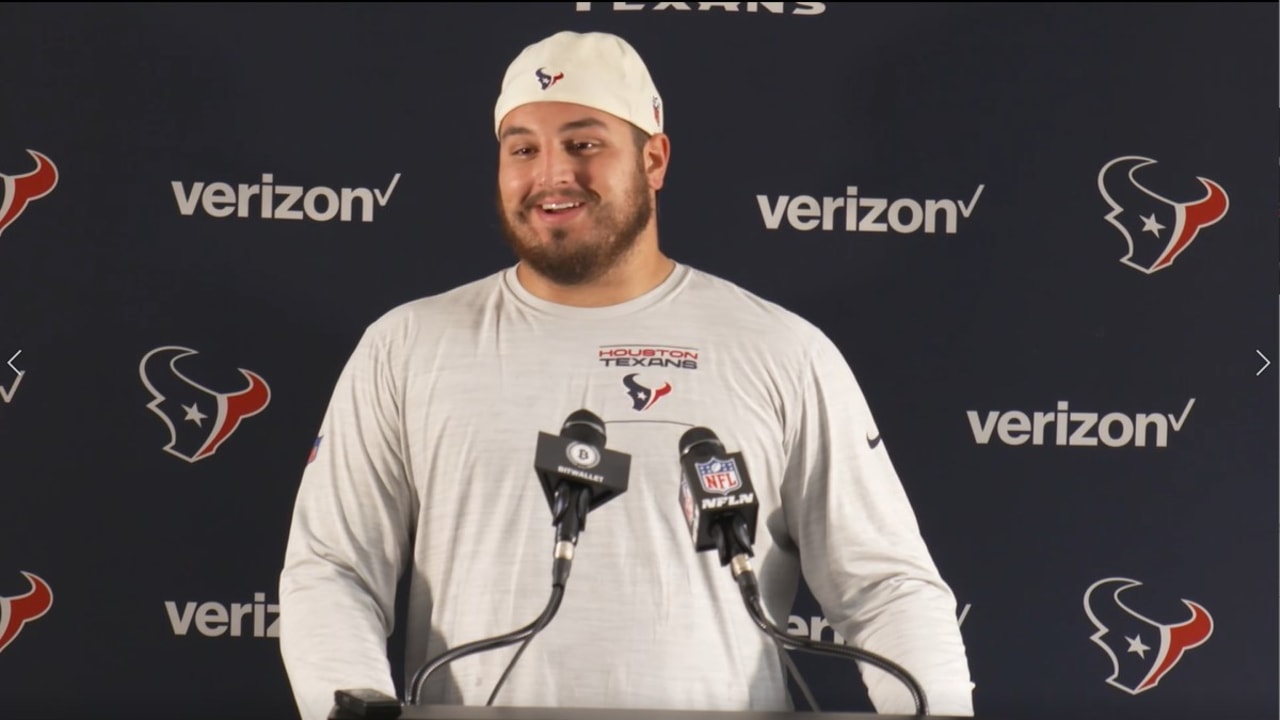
x: 735, y: 551
x: 572, y: 502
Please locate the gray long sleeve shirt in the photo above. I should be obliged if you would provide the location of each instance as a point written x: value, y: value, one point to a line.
x: 424, y: 465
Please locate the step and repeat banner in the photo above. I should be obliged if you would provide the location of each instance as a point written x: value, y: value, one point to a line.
x: 1043, y: 235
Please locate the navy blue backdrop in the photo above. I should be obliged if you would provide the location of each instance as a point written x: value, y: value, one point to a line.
x: 1042, y: 234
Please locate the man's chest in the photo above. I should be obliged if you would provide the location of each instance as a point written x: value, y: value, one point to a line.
x: 481, y: 404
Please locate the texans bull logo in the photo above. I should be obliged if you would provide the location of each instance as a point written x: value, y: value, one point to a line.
x: 1156, y: 229
x: 643, y: 398
x: 18, y: 190
x: 199, y: 419
x: 1142, y: 651
x: 18, y: 611
x: 545, y: 79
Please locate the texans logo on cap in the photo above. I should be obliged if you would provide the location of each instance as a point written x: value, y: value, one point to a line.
x: 546, y: 80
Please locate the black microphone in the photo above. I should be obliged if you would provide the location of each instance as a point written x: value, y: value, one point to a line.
x: 721, y: 508
x: 577, y: 473
x: 717, y: 497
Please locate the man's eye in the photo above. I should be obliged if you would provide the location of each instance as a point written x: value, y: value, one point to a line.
x: 583, y: 145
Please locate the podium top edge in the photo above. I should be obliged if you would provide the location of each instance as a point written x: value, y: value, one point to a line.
x: 465, y: 712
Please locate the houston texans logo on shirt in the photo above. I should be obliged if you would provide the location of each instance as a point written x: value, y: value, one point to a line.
x: 657, y: 362
x: 642, y: 397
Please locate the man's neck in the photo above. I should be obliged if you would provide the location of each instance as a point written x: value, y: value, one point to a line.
x: 629, y: 279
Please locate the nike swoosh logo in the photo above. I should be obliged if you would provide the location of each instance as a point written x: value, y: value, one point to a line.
x: 873, y: 442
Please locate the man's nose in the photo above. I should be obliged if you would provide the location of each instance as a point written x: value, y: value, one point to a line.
x: 557, y: 168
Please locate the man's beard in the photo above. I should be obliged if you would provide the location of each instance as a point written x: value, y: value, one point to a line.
x: 613, y: 233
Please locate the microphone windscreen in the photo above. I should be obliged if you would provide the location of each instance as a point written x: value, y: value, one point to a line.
x: 584, y: 426
x: 694, y: 437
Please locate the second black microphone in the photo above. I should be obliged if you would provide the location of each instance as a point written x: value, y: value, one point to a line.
x: 716, y: 495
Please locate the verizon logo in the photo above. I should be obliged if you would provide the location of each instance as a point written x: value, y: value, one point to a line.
x: 269, y: 201
x: 1067, y: 427
x: 855, y: 213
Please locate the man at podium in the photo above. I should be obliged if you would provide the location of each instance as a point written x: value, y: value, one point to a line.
x: 422, y: 465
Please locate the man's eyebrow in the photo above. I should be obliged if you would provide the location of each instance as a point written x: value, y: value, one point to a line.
x: 572, y: 125
x: 583, y: 123
x: 515, y: 130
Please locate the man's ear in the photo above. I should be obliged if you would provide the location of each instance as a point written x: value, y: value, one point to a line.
x: 657, y: 156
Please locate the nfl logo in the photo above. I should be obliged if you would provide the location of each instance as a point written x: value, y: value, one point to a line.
x: 719, y: 476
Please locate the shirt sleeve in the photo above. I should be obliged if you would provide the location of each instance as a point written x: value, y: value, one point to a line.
x: 861, y: 550
x: 349, y: 537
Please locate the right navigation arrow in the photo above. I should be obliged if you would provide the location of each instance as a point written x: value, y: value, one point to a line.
x: 1265, y: 360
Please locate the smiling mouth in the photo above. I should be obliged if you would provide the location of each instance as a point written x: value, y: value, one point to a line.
x: 558, y: 207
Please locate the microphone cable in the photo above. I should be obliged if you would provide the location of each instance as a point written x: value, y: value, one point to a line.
x: 562, y: 565
x: 740, y: 565
x: 795, y: 675
x: 570, y: 517
x: 507, y: 672
x: 733, y: 539
x: 525, y: 633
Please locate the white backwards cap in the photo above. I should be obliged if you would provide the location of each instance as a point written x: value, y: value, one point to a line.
x: 598, y: 70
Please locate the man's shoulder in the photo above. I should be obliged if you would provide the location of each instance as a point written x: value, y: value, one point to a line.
x: 438, y: 309
x: 742, y: 310
x: 427, y: 321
